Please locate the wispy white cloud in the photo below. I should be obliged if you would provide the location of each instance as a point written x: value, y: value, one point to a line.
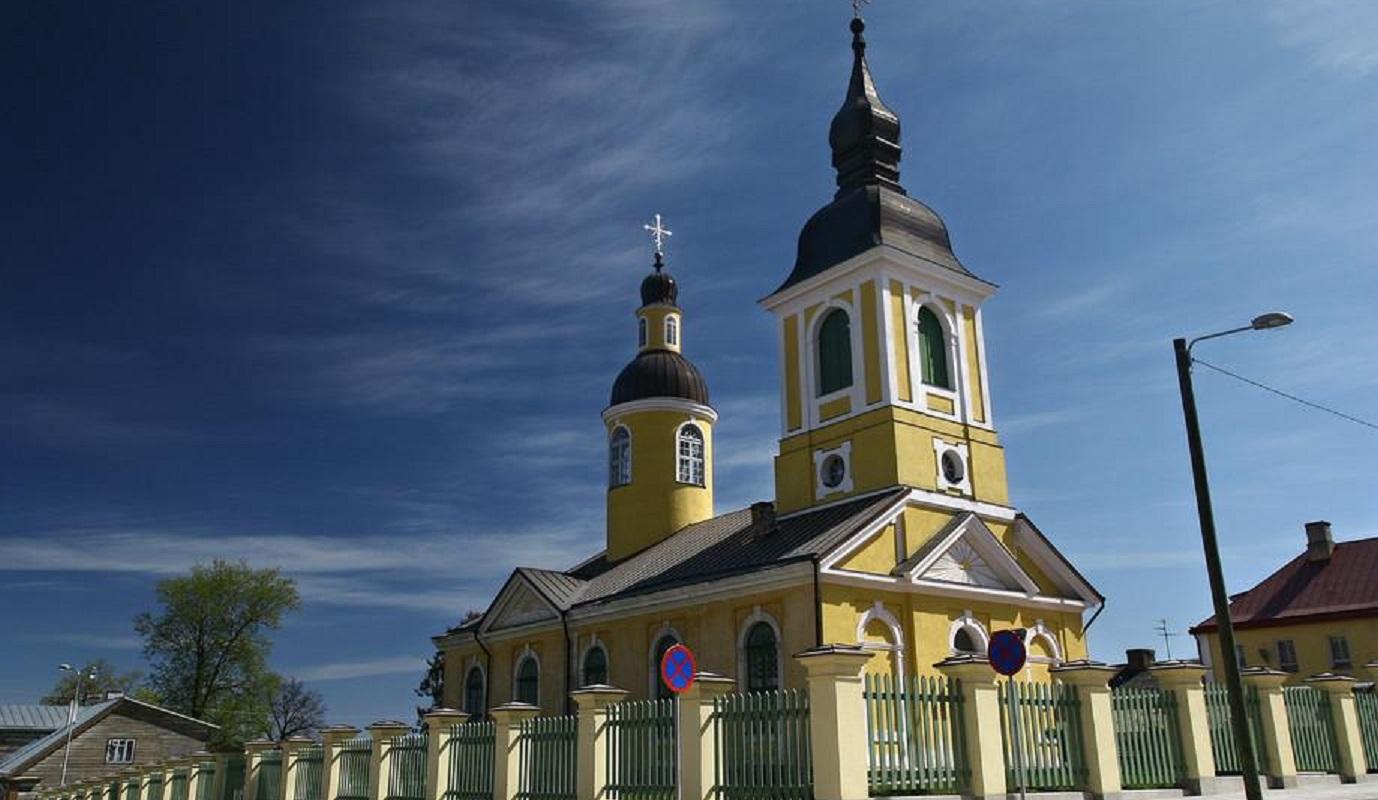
x: 1340, y: 35
x: 1020, y: 423
x: 345, y: 670
x: 99, y: 641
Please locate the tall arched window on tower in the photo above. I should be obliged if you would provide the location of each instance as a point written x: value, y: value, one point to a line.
x: 762, y: 659
x: 641, y: 332
x: 528, y: 682
x: 834, y: 352
x: 620, y: 458
x: 473, y: 692
x: 933, y: 350
x: 672, y: 330
x: 657, y: 653
x: 690, y: 455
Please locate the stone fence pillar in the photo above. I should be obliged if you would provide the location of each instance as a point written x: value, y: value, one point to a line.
x: 837, y: 720
x: 1184, y: 680
x: 981, y: 737
x: 291, y: 765
x: 1344, y: 715
x: 197, y: 774
x: 1276, y: 746
x: 1091, y: 680
x: 438, y: 723
x: 154, y: 773
x: 129, y: 784
x: 507, y: 720
x: 698, y: 755
x: 253, y: 765
x: 383, y: 732
x: 591, y: 704
x: 332, y: 740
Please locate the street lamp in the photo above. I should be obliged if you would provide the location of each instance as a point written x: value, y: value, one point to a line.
x: 1233, y: 686
x: 72, y: 712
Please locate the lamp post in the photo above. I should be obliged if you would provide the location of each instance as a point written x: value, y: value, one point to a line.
x: 72, y: 713
x: 1229, y: 660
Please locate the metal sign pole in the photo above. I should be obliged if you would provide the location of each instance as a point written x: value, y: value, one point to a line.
x: 1014, y: 736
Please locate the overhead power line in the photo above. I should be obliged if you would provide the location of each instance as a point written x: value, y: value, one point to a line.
x: 1265, y: 387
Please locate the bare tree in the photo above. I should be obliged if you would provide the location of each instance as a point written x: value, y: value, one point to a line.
x: 294, y: 710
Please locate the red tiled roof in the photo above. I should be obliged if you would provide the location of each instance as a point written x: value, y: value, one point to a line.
x: 1345, y: 585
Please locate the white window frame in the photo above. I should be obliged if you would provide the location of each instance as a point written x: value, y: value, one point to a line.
x: 1041, y: 631
x: 758, y: 616
x: 124, y: 746
x: 1348, y: 660
x: 681, y: 476
x: 527, y: 653
x: 968, y: 622
x: 474, y: 664
x: 1293, y: 665
x: 895, y: 647
x: 672, y: 330
x: 643, y: 332
x: 666, y: 629
x: 625, y: 463
x: 814, y: 367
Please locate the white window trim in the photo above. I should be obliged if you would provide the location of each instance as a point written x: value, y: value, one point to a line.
x: 672, y: 326
x: 1041, y: 631
x: 526, y: 653
x: 643, y: 332
x: 703, y: 441
x: 757, y: 615
x: 950, y: 339
x: 474, y: 664
x: 611, y: 438
x: 878, y: 611
x: 665, y: 629
x: 939, y: 448
x: 594, y: 644
x: 129, y: 750
x: 970, y: 623
x: 813, y: 401
x: 822, y: 490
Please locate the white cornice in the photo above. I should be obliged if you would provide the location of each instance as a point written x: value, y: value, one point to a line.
x: 975, y: 289
x: 903, y: 585
x: 660, y: 404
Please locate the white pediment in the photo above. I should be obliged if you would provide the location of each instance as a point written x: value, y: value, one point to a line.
x: 519, y: 604
x: 969, y: 554
x: 961, y: 563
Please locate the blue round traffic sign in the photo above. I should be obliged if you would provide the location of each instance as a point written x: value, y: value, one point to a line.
x: 677, y: 668
x: 1006, y: 652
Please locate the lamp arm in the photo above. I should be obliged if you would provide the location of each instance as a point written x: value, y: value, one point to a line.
x: 1193, y: 342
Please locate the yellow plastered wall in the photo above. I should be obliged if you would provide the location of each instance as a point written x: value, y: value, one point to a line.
x: 870, y: 341
x: 899, y: 342
x: 973, y: 365
x: 876, y: 556
x: 655, y: 504
x: 1312, y: 641
x: 655, y: 317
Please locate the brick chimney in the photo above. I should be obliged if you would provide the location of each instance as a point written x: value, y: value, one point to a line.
x: 1139, y: 658
x: 763, y: 518
x: 1319, y: 543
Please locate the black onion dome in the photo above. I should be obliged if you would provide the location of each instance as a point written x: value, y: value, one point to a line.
x: 659, y: 287
x: 659, y: 373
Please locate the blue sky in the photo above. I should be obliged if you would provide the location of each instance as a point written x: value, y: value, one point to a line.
x: 343, y: 286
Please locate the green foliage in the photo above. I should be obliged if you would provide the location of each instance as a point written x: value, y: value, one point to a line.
x: 108, y: 679
x: 432, y: 686
x: 208, y: 644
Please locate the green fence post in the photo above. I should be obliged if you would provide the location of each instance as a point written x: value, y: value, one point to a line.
x: 1344, y: 715
x: 698, y: 735
x: 439, y: 722
x: 1276, y: 746
x: 129, y: 784
x: 507, y: 722
x: 1091, y: 680
x: 383, y: 732
x: 1184, y: 680
x: 332, y: 741
x: 592, y: 702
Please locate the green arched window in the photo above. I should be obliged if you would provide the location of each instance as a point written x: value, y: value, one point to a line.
x: 528, y: 682
x: 933, y: 350
x: 834, y: 352
x: 595, y: 667
x: 473, y: 692
x: 762, y: 659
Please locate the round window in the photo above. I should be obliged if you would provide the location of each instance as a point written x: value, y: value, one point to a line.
x: 953, y: 468
x: 834, y: 470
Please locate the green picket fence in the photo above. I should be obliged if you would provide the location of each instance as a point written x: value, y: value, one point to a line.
x: 642, y: 758
x: 1146, y: 736
x: 205, y: 782
x: 1313, y: 733
x: 547, y: 753
x: 310, y: 766
x: 1049, y: 735
x: 407, y: 767
x: 762, y: 745
x: 270, y: 774
x: 1223, y: 744
x: 469, y: 754
x: 356, y: 769
x: 177, y: 783
x: 234, y: 779
x: 155, y: 788
x: 915, y: 735
x: 1367, y: 702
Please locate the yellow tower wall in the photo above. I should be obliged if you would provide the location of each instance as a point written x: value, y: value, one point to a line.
x: 655, y: 316
x: 655, y: 504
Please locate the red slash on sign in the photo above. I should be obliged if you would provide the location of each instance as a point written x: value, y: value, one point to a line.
x: 677, y: 668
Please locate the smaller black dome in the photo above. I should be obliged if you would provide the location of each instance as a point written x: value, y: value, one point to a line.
x: 659, y: 373
x: 659, y: 287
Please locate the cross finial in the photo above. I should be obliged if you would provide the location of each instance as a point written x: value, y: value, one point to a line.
x: 658, y: 233
x: 856, y: 7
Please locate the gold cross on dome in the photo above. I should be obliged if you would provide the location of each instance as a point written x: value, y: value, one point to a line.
x: 658, y: 233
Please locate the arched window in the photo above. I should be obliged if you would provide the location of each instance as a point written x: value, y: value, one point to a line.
x: 672, y: 330
x: 528, y: 682
x: 657, y: 653
x: 690, y: 455
x: 762, y: 659
x: 834, y: 352
x: 964, y: 642
x: 933, y: 350
x: 620, y: 458
x: 595, y: 666
x: 641, y: 332
x: 473, y: 692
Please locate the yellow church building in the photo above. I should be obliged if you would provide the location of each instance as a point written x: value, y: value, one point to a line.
x: 892, y: 525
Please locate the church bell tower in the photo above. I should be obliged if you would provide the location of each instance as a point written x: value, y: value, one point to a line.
x: 659, y: 424
x: 883, y: 361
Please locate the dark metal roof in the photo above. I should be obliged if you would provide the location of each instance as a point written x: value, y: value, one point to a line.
x: 32, y: 717
x: 1344, y: 585
x: 659, y: 286
x: 659, y: 373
